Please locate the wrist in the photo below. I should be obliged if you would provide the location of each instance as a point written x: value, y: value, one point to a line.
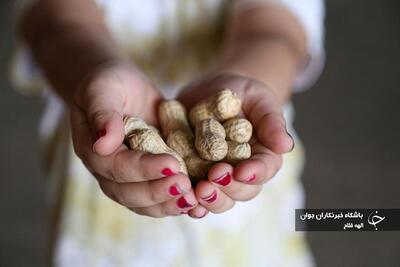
x: 67, y: 45
x: 81, y: 60
x: 271, y: 61
x: 117, y: 75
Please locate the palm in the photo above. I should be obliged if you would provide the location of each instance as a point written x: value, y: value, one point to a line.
x: 270, y: 139
x: 132, y: 178
x: 108, y: 96
x: 139, y: 97
x: 260, y: 106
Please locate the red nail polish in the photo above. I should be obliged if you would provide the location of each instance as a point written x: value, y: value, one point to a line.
x: 251, y: 179
x: 174, y: 191
x: 100, y: 134
x: 291, y: 137
x: 202, y: 216
x: 224, y: 180
x: 182, y: 203
x: 211, y: 198
x: 167, y: 172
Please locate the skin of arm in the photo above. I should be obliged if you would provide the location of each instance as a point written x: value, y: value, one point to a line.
x: 269, y: 46
x: 75, y: 50
x: 265, y: 43
x: 69, y: 40
x: 264, y: 49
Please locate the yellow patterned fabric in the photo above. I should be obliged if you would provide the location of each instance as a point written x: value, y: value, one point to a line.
x: 95, y: 231
x: 172, y: 42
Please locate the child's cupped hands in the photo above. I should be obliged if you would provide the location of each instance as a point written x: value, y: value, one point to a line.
x: 147, y: 184
x: 151, y: 184
x: 225, y: 183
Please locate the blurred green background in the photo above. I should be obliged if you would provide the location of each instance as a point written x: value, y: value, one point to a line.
x: 349, y: 122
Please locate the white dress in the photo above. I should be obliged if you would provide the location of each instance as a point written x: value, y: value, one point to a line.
x: 91, y: 230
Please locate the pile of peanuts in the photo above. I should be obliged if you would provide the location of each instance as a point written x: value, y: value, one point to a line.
x: 219, y: 135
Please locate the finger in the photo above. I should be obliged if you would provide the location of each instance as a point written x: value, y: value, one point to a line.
x: 260, y: 106
x: 135, y: 166
x: 260, y: 168
x: 221, y: 174
x: 103, y: 104
x: 172, y: 207
x: 198, y: 212
x: 236, y: 190
x: 242, y: 192
x: 263, y: 110
x: 212, y: 198
x: 145, y: 194
x: 191, y: 94
x: 81, y: 135
x: 123, y: 165
x: 109, y: 130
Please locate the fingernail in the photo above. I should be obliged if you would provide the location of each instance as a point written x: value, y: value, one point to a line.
x: 100, y: 134
x: 167, y: 172
x: 174, y: 190
x: 182, y: 203
x: 202, y: 216
x: 292, y: 140
x: 292, y: 147
x: 251, y: 179
x: 211, y: 198
x: 224, y: 180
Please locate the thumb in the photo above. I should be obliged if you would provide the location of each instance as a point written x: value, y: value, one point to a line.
x: 262, y: 108
x: 108, y: 128
x: 104, y: 108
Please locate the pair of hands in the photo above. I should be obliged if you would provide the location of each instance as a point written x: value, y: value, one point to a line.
x: 150, y: 184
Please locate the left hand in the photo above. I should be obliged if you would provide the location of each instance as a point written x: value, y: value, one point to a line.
x: 227, y: 184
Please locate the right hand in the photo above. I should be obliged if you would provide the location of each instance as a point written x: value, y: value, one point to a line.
x: 226, y: 183
x: 134, y: 179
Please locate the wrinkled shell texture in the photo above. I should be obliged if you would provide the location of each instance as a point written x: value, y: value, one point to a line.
x: 198, y: 167
x: 210, y: 140
x: 195, y: 153
x: 176, y: 128
x: 181, y: 142
x: 199, y: 112
x: 172, y: 117
x: 222, y: 106
x: 132, y: 123
x: 147, y: 140
x: 238, y: 129
x: 227, y: 105
x: 237, y: 151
